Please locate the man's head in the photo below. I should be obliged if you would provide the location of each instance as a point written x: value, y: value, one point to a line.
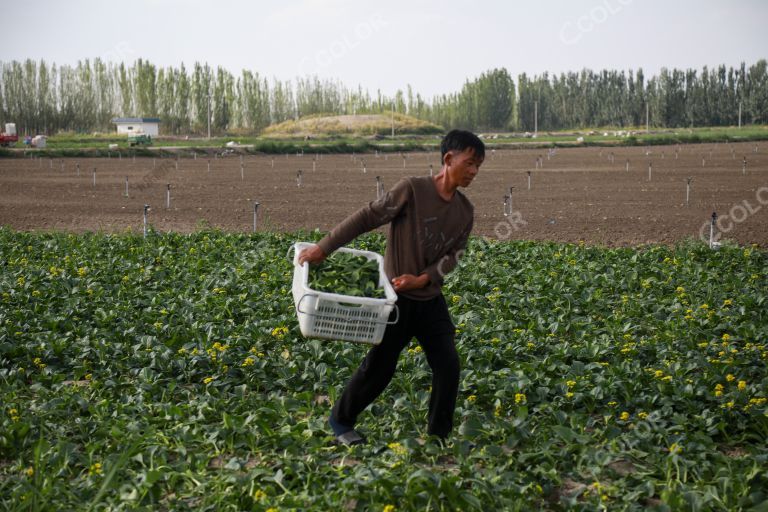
x: 462, y: 153
x: 461, y: 140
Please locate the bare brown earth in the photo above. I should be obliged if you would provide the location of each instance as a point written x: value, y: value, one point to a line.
x: 577, y: 195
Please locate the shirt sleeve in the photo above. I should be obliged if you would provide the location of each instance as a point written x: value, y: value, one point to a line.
x: 438, y: 270
x: 375, y: 214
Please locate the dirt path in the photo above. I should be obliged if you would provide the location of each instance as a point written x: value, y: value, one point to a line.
x: 578, y: 194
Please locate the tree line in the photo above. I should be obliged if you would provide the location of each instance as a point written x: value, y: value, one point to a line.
x: 46, y: 98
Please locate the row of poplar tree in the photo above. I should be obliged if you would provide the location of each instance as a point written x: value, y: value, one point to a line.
x: 44, y: 98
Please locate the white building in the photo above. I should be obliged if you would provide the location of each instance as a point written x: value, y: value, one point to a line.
x: 137, y: 125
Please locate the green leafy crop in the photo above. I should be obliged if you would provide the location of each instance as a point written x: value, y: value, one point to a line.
x: 347, y: 274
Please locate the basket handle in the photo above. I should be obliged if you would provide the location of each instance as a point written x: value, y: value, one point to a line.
x: 299, y: 310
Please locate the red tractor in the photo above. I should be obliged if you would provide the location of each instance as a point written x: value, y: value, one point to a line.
x: 9, y: 137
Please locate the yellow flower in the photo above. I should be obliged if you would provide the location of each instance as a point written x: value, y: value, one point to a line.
x: 272, y: 509
x: 208, y: 380
x: 704, y: 306
x: 158, y: 325
x: 612, y: 404
x: 658, y: 374
x: 39, y: 363
x: 471, y: 398
x: 82, y: 271
x: 718, y: 392
x: 279, y: 332
x: 249, y: 361
x: 569, y: 395
x: 675, y: 448
x: 495, y: 341
x: 727, y: 302
x: 397, y: 449
x: 624, y: 416
x: 742, y: 385
x: 20, y: 281
x: 642, y: 415
x: 181, y: 351
x: 35, y: 293
x: 726, y: 337
x: 30, y: 471
x: 455, y: 299
x: 729, y: 405
x: 389, y: 508
x: 520, y: 398
x: 570, y: 383
x: 259, y: 495
x: 88, y: 376
x: 680, y: 290
x: 730, y: 378
x: 95, y: 469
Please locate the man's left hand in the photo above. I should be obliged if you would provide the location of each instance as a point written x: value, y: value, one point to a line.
x: 407, y: 282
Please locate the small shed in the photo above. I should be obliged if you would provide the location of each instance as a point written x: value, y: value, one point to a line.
x: 137, y: 125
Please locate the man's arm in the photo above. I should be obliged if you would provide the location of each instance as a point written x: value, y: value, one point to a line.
x: 375, y: 214
x: 438, y: 270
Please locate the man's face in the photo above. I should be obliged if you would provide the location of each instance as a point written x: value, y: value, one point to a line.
x: 463, y: 166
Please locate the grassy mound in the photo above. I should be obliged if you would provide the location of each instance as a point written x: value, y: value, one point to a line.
x: 356, y: 125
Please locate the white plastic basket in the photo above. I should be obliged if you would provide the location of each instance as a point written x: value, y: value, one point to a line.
x: 333, y: 316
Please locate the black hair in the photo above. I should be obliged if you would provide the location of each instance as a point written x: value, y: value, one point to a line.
x: 459, y: 140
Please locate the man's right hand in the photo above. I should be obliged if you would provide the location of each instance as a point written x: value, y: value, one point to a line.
x: 312, y: 254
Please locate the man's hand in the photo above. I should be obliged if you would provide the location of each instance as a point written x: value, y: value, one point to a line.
x: 312, y: 254
x: 407, y: 282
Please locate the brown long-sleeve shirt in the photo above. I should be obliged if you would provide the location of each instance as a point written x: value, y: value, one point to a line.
x: 425, y: 235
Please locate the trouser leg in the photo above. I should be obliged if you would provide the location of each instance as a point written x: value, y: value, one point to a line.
x: 375, y: 372
x: 443, y: 359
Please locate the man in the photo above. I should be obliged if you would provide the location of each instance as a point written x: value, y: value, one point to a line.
x: 430, y: 221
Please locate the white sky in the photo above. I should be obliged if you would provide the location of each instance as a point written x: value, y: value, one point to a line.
x: 432, y: 45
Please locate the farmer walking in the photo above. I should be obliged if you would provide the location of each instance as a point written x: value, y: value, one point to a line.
x: 429, y: 225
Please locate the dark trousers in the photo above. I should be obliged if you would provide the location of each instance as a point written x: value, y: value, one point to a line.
x: 430, y: 322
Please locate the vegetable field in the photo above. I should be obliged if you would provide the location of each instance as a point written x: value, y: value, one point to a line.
x: 169, y: 374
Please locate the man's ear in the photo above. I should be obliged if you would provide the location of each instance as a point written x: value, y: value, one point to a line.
x: 447, y: 158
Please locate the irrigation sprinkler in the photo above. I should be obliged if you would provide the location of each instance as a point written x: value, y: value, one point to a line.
x: 703, y: 161
x: 298, y: 178
x: 94, y: 177
x: 430, y: 169
x: 650, y: 170
x: 50, y: 163
x: 146, y: 211
x: 755, y: 150
x: 77, y: 166
x: 379, y: 188
x: 255, y: 214
x: 153, y: 163
x: 314, y: 165
x: 611, y: 157
x: 662, y: 155
x: 168, y: 196
x: 242, y: 172
x: 688, y: 181
x: 529, y: 180
x: 733, y: 154
x: 126, y: 187
x: 61, y: 165
x: 273, y: 162
x: 508, y: 203
x: 712, y: 243
x: 627, y: 166
x: 134, y: 157
x: 120, y: 155
x: 744, y: 167
x: 209, y: 165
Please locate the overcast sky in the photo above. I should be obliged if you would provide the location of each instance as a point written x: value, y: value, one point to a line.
x: 432, y: 45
